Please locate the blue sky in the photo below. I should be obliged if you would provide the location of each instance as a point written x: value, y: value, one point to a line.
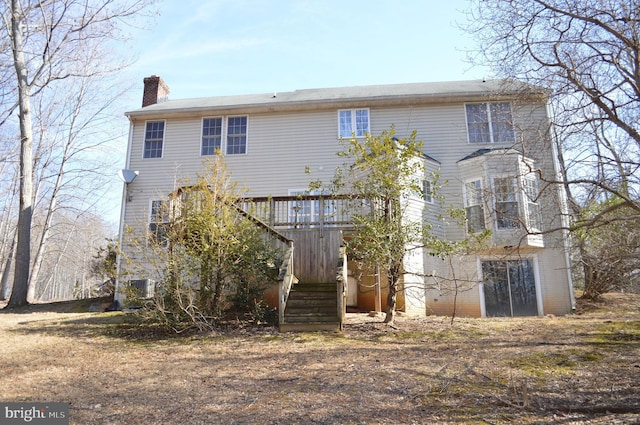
x: 226, y: 47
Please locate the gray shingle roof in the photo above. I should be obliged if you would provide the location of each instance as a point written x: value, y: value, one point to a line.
x: 485, y: 151
x: 398, y: 93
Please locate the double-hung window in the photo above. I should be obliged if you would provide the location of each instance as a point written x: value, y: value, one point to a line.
x: 225, y: 135
x: 353, y: 122
x: 158, y: 221
x: 489, y: 122
x: 473, y: 206
x: 236, y: 135
x: 533, y: 208
x: 427, y: 191
x: 506, y: 202
x: 153, y: 139
x: 211, y: 136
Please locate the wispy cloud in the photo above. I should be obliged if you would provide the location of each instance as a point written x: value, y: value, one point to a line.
x: 169, y: 51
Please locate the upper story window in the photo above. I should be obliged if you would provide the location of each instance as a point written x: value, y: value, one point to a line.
x: 353, y: 122
x: 211, y: 136
x: 234, y: 135
x: 506, y: 200
x: 489, y: 122
x: 153, y: 139
x: 474, y: 206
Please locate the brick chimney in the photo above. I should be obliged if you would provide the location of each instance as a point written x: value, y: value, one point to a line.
x: 155, y: 91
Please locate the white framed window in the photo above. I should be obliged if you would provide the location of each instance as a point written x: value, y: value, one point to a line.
x: 531, y: 194
x: 225, y: 135
x: 159, y: 213
x: 153, y: 139
x: 506, y: 202
x: 353, y: 122
x: 236, y: 135
x: 427, y: 191
x: 489, y: 122
x: 211, y: 136
x: 474, y: 206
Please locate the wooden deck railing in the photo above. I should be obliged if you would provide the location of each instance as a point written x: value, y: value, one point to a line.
x: 302, y: 211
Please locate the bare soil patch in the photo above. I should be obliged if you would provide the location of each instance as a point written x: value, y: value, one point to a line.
x: 579, y: 369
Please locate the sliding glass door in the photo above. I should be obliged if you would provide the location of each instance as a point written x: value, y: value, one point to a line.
x: 509, y: 288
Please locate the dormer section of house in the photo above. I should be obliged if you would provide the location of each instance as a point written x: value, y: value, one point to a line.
x: 487, y: 142
x: 500, y: 193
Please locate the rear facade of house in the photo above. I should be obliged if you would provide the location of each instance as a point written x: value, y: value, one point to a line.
x: 487, y: 141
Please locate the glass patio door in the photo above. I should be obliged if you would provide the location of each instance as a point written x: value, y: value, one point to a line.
x: 509, y: 288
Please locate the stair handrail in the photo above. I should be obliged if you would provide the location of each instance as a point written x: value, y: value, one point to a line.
x: 286, y: 279
x: 263, y: 225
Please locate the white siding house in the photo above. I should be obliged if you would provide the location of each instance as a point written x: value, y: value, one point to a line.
x: 488, y: 140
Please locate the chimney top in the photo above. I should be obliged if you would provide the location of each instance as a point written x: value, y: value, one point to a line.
x: 155, y: 91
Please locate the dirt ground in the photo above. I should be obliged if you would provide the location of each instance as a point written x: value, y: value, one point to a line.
x: 579, y: 369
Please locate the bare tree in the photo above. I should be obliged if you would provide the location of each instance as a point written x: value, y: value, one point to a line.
x: 69, y: 167
x: 588, y: 54
x: 49, y: 42
x: 8, y: 193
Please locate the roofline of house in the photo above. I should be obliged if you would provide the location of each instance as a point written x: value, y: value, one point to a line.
x: 340, y: 98
x: 485, y: 152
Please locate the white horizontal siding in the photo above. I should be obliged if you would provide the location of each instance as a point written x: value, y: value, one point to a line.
x: 282, y: 147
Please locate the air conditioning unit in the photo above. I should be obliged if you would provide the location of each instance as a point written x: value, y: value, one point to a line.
x: 145, y: 287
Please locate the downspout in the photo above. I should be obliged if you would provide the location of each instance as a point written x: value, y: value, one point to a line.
x: 118, y: 296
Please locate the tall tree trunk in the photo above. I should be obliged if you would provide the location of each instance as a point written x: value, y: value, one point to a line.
x: 23, y: 251
x: 9, y: 239
x: 394, y: 277
x: 4, y: 279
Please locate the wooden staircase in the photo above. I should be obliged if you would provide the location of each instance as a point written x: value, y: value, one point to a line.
x: 311, y: 307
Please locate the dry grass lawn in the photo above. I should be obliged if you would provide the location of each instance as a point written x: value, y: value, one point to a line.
x: 581, y: 369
